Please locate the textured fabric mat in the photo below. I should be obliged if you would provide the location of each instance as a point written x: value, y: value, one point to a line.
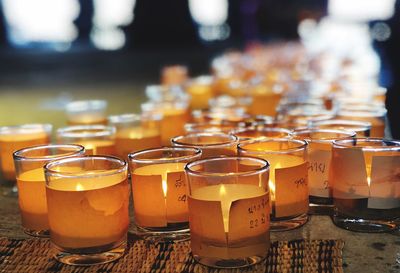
x: 34, y: 255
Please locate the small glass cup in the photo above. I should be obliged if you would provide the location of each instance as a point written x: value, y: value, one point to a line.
x: 265, y: 99
x: 97, y: 139
x: 211, y: 144
x: 366, y: 184
x: 174, y: 117
x: 13, y: 138
x: 87, y: 201
x: 375, y: 116
x: 166, y: 93
x: 288, y: 182
x: 229, y: 211
x: 362, y: 128
x: 160, y: 192
x: 31, y: 183
x: 135, y: 132
x: 231, y: 115
x: 174, y: 74
x: 319, y: 157
x: 201, y: 90
x: 86, y: 112
x: 253, y: 133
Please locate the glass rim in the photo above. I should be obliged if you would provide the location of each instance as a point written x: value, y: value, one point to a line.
x: 48, y: 167
x: 261, y: 129
x: 150, y: 106
x: 85, y: 105
x: 196, y: 153
x: 32, y: 127
x: 302, y: 146
x: 233, y: 139
x: 74, y: 131
x: 362, y: 112
x: 344, y: 134
x: 359, y: 123
x: 346, y: 143
x: 264, y: 168
x: 19, y: 154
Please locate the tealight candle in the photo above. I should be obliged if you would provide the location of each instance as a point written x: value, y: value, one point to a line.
x: 288, y: 180
x: 86, y: 112
x: 366, y: 188
x: 211, y: 144
x: 160, y: 191
x: 319, y: 157
x: 97, y: 139
x: 229, y: 210
x: 201, y: 90
x: 13, y: 138
x: 135, y: 132
x: 87, y: 201
x: 265, y: 99
x: 174, y: 116
x: 29, y: 164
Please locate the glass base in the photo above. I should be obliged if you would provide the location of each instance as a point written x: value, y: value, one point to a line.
x: 363, y: 225
x: 231, y: 263
x: 37, y: 233
x: 90, y: 259
x: 283, y: 224
x: 160, y: 235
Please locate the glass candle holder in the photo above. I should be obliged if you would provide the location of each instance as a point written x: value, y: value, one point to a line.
x: 174, y: 117
x: 362, y: 128
x: 166, y: 93
x: 135, y: 132
x: 225, y: 102
x: 31, y: 183
x: 265, y: 99
x: 160, y: 192
x: 233, y: 115
x: 229, y: 211
x: 87, y: 202
x: 213, y: 127
x: 13, y: 138
x: 97, y: 139
x: 288, y: 181
x: 174, y: 74
x: 366, y: 188
x: 201, y: 90
x: 319, y: 157
x: 86, y: 112
x: 211, y: 144
x: 253, y: 133
x: 375, y: 116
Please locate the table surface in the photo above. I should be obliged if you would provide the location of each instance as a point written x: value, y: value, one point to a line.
x: 362, y: 252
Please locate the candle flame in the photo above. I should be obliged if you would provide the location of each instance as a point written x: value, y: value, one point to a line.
x: 222, y: 190
x: 164, y: 187
x: 79, y: 187
x: 369, y: 181
x: 272, y: 189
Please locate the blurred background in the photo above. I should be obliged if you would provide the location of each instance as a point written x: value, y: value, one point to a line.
x: 53, y: 52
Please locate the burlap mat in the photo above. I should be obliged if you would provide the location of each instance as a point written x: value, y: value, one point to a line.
x: 33, y: 255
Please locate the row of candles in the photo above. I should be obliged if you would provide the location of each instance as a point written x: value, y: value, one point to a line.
x: 272, y: 169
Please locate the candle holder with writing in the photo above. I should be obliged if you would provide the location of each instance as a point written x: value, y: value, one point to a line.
x: 86, y: 112
x: 253, y: 133
x: 13, y: 138
x: 366, y: 184
x: 288, y: 179
x: 362, y: 128
x: 29, y: 164
x: 229, y: 211
x: 174, y: 117
x: 375, y: 116
x: 211, y: 144
x: 97, y: 139
x: 319, y: 157
x: 87, y: 202
x: 135, y: 132
x: 160, y: 192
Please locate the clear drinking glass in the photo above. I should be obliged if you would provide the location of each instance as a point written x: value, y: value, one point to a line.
x: 97, y: 139
x: 288, y: 181
x: 31, y: 183
x: 160, y: 192
x: 86, y: 112
x: 366, y: 184
x: 229, y: 211
x: 211, y: 144
x: 87, y: 201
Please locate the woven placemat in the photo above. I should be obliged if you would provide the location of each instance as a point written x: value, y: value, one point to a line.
x: 33, y: 255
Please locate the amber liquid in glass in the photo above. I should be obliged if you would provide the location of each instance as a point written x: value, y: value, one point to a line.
x: 133, y: 140
x: 172, y: 124
x: 88, y: 221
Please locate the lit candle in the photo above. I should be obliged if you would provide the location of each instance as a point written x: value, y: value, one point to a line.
x: 201, y: 90
x: 86, y: 112
x: 265, y: 99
